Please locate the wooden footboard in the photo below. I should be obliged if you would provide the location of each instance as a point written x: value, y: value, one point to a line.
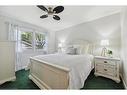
x: 48, y: 76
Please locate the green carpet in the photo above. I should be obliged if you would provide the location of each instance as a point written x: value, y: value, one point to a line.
x: 22, y: 82
x: 99, y: 82
x: 92, y: 82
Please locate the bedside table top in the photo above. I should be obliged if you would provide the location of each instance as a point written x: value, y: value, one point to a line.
x: 108, y: 58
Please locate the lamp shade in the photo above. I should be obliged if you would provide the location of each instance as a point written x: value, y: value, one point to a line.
x: 60, y: 45
x: 104, y: 42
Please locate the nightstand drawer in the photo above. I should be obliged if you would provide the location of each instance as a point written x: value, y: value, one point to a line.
x: 109, y: 71
x: 99, y: 64
x: 109, y: 66
x: 100, y: 70
x: 105, y: 61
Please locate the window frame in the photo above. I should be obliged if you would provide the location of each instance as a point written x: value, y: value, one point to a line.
x: 34, y: 40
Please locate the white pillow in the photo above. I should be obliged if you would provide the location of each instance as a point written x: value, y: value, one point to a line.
x: 70, y: 50
x: 78, y: 49
x: 82, y: 49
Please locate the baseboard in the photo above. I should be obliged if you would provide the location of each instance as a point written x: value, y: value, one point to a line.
x: 27, y: 68
x: 125, y: 86
x: 24, y: 67
x: 9, y: 79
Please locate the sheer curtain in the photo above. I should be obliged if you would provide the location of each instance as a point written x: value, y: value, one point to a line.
x: 14, y: 34
x: 22, y: 56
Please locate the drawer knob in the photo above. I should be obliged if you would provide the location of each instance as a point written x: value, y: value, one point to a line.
x: 105, y: 69
x: 105, y: 62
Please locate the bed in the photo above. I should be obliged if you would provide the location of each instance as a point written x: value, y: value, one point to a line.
x: 60, y: 70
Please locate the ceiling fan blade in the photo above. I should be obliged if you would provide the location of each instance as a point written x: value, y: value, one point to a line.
x: 58, y: 9
x: 42, y: 8
x: 56, y: 17
x: 44, y: 16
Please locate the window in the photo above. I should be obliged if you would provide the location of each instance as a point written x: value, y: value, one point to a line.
x: 26, y: 40
x: 40, y: 41
x: 32, y: 40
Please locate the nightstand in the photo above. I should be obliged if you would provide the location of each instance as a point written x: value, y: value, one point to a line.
x: 107, y: 67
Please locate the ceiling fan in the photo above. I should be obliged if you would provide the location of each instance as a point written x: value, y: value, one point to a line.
x: 51, y: 11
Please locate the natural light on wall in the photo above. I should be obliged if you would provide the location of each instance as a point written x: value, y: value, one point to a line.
x: 104, y: 43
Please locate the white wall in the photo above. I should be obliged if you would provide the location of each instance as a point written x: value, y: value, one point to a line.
x: 124, y: 43
x: 94, y: 31
x: 3, y: 30
x: 51, y: 42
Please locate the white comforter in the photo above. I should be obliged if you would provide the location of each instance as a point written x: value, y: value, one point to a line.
x: 79, y: 65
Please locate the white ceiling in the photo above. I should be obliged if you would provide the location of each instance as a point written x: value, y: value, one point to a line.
x: 72, y: 15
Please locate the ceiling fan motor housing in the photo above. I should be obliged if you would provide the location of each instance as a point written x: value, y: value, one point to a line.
x: 50, y: 11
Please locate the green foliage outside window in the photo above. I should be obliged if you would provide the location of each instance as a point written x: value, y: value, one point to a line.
x: 40, y: 41
x: 27, y: 37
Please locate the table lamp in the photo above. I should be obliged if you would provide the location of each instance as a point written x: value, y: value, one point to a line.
x: 104, y: 43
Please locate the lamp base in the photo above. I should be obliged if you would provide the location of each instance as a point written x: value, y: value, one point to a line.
x: 103, y: 52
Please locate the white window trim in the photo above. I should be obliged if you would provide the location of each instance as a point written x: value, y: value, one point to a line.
x: 33, y: 40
